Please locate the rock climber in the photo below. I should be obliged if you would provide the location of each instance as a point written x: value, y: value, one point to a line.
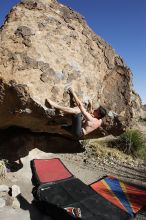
x: 92, y: 119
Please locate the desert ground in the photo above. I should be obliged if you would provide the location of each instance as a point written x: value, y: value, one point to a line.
x: 88, y: 160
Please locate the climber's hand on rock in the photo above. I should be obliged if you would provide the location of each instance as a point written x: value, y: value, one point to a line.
x: 70, y: 90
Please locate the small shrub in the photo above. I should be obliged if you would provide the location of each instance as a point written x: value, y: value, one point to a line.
x: 142, y: 119
x: 133, y: 142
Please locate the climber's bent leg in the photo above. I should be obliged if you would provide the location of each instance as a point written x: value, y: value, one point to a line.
x: 67, y: 110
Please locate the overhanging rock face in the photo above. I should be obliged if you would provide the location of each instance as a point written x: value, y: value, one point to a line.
x: 45, y: 47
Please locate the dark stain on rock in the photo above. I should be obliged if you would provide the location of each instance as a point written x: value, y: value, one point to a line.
x: 41, y: 26
x: 74, y: 35
x: 44, y: 77
x: 33, y: 4
x: 48, y: 75
x: 44, y: 67
x: 55, y: 90
x: 86, y: 32
x: 65, y: 96
x: 27, y: 42
x: 68, y: 14
x: 109, y: 57
x: 74, y: 75
x: 23, y: 31
x: 119, y: 61
x: 89, y: 82
x: 93, y: 52
x: 28, y: 62
x: 71, y: 27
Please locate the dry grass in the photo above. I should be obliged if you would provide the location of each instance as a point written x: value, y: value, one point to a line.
x: 103, y: 149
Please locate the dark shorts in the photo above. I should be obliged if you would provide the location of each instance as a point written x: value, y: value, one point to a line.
x: 76, y: 128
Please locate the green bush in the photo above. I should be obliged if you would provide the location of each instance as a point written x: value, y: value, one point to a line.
x: 133, y: 142
x: 142, y: 119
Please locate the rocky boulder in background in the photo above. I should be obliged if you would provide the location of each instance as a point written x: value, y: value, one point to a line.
x: 143, y: 115
x: 45, y: 47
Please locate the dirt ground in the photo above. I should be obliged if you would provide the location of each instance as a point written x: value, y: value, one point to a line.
x: 86, y: 160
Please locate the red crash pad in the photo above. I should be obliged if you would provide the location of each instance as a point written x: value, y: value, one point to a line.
x: 49, y: 170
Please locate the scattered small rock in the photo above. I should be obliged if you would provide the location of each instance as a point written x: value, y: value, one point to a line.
x: 9, y: 200
x: 3, y: 169
x: 4, y: 188
x: 15, y: 191
x: 2, y: 202
x: 15, y: 204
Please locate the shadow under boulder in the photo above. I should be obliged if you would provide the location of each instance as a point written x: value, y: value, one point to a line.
x: 16, y: 142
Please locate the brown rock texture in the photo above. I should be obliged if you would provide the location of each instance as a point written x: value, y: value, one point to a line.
x: 143, y: 114
x: 144, y: 107
x: 45, y: 47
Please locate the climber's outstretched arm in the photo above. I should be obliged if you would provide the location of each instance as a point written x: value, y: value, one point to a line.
x: 67, y: 110
x: 87, y: 115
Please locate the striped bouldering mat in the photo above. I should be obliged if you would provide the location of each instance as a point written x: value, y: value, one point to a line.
x: 48, y: 170
x: 127, y: 197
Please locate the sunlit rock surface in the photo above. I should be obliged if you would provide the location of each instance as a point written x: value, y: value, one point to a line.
x: 45, y: 47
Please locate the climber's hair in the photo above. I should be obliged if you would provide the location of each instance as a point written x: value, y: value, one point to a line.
x: 102, y: 112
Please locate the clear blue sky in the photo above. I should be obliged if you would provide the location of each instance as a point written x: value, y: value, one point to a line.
x: 122, y: 23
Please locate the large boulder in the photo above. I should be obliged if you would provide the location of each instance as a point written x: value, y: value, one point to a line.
x: 45, y: 47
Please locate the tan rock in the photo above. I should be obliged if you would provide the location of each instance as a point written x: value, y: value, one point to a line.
x: 15, y: 191
x: 2, y: 202
x: 46, y: 47
x: 15, y: 204
x: 4, y: 188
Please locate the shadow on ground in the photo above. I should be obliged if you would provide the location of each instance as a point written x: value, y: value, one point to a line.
x: 135, y: 175
x: 33, y: 211
x: 16, y: 142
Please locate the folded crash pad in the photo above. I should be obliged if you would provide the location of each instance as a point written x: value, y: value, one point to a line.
x: 48, y: 170
x: 125, y: 196
x: 57, y: 197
